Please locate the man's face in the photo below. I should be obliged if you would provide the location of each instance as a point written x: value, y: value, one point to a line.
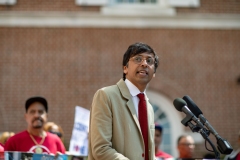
x: 36, y: 115
x: 139, y: 74
x: 186, y: 147
x: 157, y: 137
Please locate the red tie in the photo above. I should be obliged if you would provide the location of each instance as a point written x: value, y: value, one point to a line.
x: 143, y: 120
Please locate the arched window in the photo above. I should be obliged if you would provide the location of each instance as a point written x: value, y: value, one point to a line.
x: 169, y: 118
x: 161, y: 118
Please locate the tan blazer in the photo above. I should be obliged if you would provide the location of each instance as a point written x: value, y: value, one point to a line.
x: 114, y: 132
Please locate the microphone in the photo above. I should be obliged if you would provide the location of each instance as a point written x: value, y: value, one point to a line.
x: 223, y: 145
x: 181, y: 106
x: 197, y: 112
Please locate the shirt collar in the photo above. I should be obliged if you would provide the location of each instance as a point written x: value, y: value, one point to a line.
x: 134, y: 91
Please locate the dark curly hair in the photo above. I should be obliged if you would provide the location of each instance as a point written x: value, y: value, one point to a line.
x: 138, y: 48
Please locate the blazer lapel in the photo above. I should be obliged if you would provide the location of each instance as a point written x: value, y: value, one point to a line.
x: 126, y: 94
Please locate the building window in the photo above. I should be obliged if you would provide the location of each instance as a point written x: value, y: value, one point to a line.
x: 92, y: 2
x: 170, y: 3
x: 161, y: 118
x: 135, y: 1
x: 166, y: 115
x: 184, y: 3
x: 8, y: 2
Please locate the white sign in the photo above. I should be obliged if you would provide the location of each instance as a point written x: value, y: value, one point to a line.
x: 79, y: 140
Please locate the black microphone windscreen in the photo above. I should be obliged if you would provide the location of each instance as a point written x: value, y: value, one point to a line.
x: 192, y: 106
x: 179, y: 103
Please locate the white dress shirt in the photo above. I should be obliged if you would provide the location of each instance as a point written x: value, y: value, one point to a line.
x: 134, y: 91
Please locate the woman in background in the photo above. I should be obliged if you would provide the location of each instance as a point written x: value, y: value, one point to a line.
x: 5, y: 136
x: 55, y: 129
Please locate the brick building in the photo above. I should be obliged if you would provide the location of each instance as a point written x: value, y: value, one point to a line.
x: 66, y: 50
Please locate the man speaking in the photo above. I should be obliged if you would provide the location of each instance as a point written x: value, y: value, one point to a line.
x: 121, y: 118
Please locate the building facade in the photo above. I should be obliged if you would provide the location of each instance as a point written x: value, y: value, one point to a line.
x: 66, y: 50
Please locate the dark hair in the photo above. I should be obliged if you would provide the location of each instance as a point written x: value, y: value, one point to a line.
x: 181, y: 137
x: 41, y: 100
x: 57, y: 133
x: 158, y: 127
x: 138, y: 48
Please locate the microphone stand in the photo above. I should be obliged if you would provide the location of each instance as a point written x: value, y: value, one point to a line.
x: 205, y: 136
x: 203, y: 131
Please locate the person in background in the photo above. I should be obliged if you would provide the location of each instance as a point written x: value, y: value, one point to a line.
x: 55, y: 129
x: 235, y: 155
x: 185, y: 146
x: 1, y: 152
x: 34, y: 139
x: 1, y: 149
x: 157, y: 140
x: 121, y: 118
x: 5, y: 136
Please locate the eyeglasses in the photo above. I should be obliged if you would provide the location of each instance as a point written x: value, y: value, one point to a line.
x: 139, y: 60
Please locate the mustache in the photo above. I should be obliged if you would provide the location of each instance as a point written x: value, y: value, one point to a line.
x: 36, y: 119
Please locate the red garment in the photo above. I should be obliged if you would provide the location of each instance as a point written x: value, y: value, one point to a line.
x: 163, y: 155
x: 1, y: 151
x: 22, y: 142
x: 238, y: 156
x: 1, y: 148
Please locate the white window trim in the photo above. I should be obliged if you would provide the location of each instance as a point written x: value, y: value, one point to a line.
x: 91, y: 2
x: 8, y: 2
x: 62, y: 19
x: 172, y: 3
x: 172, y: 114
x: 174, y: 118
x: 161, y: 7
x: 184, y: 3
x: 138, y: 10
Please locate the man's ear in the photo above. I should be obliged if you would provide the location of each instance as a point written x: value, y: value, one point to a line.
x: 125, y: 69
